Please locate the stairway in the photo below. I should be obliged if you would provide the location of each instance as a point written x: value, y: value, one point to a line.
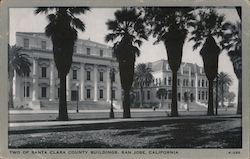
x: 72, y: 105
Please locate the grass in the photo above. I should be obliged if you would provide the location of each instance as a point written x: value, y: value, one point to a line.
x: 179, y: 133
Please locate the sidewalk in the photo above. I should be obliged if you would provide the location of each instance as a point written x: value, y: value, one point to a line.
x: 80, y: 111
x: 102, y: 121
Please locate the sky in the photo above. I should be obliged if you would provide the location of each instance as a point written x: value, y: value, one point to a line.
x: 24, y: 20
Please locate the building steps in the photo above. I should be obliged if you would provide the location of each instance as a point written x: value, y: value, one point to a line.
x: 72, y: 105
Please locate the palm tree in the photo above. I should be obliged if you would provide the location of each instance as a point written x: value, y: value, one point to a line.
x: 62, y: 29
x: 143, y: 77
x: 127, y: 32
x: 169, y: 24
x: 231, y: 42
x: 224, y: 80
x: 19, y: 63
x: 207, y: 26
x: 161, y: 93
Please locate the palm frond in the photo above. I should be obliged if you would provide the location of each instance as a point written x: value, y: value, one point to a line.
x: 77, y: 23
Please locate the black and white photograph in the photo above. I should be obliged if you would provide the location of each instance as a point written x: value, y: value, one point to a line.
x: 129, y: 78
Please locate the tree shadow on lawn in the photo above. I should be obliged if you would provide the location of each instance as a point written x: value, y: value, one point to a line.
x: 101, y: 126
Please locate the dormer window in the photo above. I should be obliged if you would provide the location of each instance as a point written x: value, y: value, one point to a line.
x: 26, y: 43
x: 43, y: 45
x: 88, y: 51
x: 101, y: 53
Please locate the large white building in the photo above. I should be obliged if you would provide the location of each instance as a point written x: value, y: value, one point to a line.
x: 89, y: 77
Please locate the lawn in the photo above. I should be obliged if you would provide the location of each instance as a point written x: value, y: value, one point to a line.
x: 176, y: 133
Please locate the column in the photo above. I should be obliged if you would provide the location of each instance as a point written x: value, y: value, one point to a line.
x: 68, y: 93
x: 196, y: 87
x: 95, y: 83
x: 16, y: 85
x: 35, y: 81
x: 52, y: 81
x: 82, y: 88
x: 108, y: 84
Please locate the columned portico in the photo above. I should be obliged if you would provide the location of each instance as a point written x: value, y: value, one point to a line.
x: 52, y: 81
x: 82, y: 88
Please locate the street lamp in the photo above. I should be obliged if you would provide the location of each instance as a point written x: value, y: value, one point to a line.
x: 112, y: 71
x: 77, y: 97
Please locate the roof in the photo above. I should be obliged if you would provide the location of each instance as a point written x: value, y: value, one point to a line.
x: 161, y: 65
x: 42, y: 34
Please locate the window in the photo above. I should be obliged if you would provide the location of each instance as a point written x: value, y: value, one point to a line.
x: 187, y: 82
x: 178, y: 82
x: 88, y: 76
x: 58, y: 92
x: 43, y: 45
x: 88, y: 93
x: 26, y: 92
x: 179, y: 96
x: 101, y: 76
x: 199, y: 83
x: 88, y: 51
x: 143, y: 95
x: 74, y: 95
x: 101, y: 94
x: 27, y: 74
x: 169, y: 81
x: 44, y: 72
x: 206, y: 95
x: 159, y: 81
x: 44, y: 92
x: 148, y: 95
x: 165, y: 81
x: 26, y: 43
x: 113, y: 94
x: 75, y: 49
x: 202, y: 95
x: 199, y: 95
x: 170, y: 94
x: 101, y: 53
x: 202, y: 83
x: 184, y: 82
x: 74, y: 74
x: 113, y: 78
x: 192, y: 83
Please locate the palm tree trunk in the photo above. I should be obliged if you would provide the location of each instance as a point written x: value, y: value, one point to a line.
x: 10, y: 101
x: 239, y: 107
x: 141, y: 99
x: 174, y: 106
x: 63, y: 113
x: 210, y: 108
x: 126, y: 104
x: 222, y: 95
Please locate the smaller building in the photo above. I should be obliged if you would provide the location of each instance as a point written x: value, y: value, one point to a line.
x: 191, y: 83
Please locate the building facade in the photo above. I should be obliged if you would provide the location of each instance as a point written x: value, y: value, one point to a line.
x: 88, y: 79
x: 191, y: 81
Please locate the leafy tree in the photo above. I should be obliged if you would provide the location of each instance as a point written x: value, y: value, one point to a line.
x: 62, y: 29
x: 224, y: 80
x: 127, y: 33
x: 231, y: 42
x: 19, y: 63
x: 169, y: 25
x: 161, y: 93
x: 206, y: 27
x: 230, y: 97
x: 143, y: 77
